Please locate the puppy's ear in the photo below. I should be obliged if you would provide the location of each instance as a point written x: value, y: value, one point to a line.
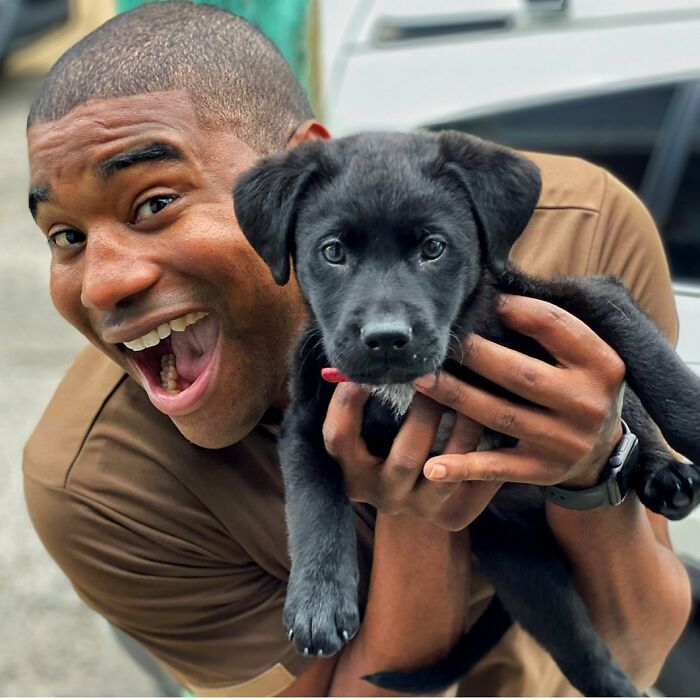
x: 266, y: 199
x: 503, y: 188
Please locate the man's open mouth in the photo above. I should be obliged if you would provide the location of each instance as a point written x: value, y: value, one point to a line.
x: 176, y: 360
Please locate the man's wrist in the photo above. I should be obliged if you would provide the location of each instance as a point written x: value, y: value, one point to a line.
x: 593, y: 474
x: 613, y: 484
x: 414, y: 531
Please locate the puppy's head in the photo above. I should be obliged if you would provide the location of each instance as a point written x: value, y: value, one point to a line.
x: 389, y: 234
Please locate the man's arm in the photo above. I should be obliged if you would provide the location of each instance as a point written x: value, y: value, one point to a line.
x: 420, y: 571
x: 415, y: 609
x: 636, y: 590
x: 417, y: 601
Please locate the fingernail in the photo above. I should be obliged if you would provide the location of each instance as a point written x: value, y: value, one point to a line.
x: 437, y: 471
x: 502, y: 301
x: 427, y: 381
x: 333, y: 375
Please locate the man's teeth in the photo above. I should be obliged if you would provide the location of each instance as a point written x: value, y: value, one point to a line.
x: 168, y: 374
x: 163, y: 331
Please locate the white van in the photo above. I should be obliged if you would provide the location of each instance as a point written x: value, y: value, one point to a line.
x: 614, y: 81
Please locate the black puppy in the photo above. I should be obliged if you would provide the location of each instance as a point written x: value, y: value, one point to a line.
x: 400, y: 244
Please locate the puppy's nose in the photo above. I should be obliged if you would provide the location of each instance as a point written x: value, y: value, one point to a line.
x: 386, y: 336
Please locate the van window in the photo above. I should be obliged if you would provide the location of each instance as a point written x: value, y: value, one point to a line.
x: 616, y: 131
x: 682, y: 230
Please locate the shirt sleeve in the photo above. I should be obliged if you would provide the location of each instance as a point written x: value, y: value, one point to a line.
x: 627, y: 245
x: 145, y: 552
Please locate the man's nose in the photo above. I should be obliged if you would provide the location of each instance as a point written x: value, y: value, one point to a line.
x: 116, y: 270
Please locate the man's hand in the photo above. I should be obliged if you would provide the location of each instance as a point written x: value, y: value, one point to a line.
x: 396, y: 485
x: 567, y: 437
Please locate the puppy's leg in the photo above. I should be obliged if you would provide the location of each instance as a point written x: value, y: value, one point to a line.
x: 530, y: 575
x: 658, y: 475
x: 667, y: 388
x: 320, y: 611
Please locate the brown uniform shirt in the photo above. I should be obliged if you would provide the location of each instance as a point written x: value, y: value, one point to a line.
x: 185, y: 548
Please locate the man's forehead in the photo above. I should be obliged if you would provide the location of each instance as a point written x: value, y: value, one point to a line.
x: 120, y: 111
x: 101, y: 128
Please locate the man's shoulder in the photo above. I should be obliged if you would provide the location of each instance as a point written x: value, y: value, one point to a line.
x: 581, y: 208
x: 88, y: 385
x: 569, y: 182
x: 101, y: 447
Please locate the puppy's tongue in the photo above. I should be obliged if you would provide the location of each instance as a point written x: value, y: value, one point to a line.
x: 193, y: 347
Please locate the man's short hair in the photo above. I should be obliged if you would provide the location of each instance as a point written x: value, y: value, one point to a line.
x: 236, y: 77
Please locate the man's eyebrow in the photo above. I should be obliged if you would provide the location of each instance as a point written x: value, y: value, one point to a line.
x: 37, y: 194
x: 153, y: 152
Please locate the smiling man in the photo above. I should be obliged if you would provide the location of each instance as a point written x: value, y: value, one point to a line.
x: 157, y: 170
x: 152, y: 476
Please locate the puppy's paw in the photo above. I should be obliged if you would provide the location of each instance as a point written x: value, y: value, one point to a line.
x: 321, y: 614
x: 673, y: 491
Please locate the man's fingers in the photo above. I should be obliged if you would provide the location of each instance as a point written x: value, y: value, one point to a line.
x: 491, y: 411
x: 525, y: 376
x: 465, y: 436
x: 568, y: 339
x: 411, y: 447
x: 342, y: 429
x: 507, y: 464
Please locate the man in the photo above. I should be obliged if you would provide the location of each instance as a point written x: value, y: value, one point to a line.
x: 157, y: 492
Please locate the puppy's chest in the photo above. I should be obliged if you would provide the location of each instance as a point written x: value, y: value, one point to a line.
x: 395, y: 397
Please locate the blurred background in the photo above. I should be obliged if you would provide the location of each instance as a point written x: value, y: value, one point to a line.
x: 613, y: 81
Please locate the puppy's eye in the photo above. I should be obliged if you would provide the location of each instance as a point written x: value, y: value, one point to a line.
x: 334, y: 253
x: 432, y: 248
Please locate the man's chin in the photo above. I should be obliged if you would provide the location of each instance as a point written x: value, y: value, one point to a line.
x: 208, y: 435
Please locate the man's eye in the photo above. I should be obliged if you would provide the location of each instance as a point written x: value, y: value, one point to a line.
x: 152, y: 206
x: 66, y: 239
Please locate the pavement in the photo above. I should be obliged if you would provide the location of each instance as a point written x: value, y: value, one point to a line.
x: 51, y: 644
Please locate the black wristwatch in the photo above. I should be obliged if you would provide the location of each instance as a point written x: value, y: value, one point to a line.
x: 614, y: 481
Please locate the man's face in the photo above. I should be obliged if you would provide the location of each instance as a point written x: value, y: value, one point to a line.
x: 135, y: 199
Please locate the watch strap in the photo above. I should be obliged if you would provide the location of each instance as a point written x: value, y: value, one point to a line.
x: 614, y: 483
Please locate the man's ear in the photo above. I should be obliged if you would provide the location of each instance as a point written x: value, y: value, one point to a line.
x: 502, y: 185
x: 308, y: 130
x: 266, y: 199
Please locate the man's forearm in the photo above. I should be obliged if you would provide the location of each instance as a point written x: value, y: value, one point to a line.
x: 416, y: 605
x: 636, y: 590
